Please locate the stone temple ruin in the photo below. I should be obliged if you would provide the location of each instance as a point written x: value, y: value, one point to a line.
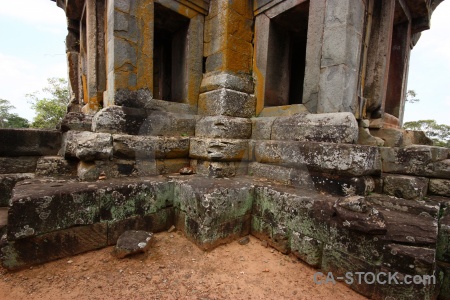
x: 287, y: 111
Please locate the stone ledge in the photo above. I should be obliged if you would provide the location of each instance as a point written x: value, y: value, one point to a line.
x: 342, y: 159
x: 29, y: 142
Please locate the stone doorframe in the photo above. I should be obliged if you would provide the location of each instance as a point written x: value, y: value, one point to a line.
x: 130, y: 47
x: 334, y: 40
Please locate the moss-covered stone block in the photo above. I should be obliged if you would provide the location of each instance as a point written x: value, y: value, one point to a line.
x: 307, y: 249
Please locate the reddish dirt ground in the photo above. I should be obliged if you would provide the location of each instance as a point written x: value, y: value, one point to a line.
x: 173, y: 269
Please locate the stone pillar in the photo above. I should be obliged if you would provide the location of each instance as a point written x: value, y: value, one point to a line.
x: 129, y: 39
x: 341, y: 49
x: 72, y: 54
x: 378, y: 56
x: 93, y: 43
x: 227, y: 85
x: 313, y: 54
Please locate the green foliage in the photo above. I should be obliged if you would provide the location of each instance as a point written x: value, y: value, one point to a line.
x: 10, y: 120
x: 51, y: 108
x: 439, y: 133
x: 411, y: 96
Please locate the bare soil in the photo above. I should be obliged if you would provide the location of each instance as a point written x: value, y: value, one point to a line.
x: 173, y: 269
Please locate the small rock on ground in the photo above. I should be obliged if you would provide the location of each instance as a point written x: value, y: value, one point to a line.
x: 132, y: 242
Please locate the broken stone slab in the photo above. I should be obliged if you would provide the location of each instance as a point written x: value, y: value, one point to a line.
x: 218, y: 149
x: 54, y: 245
x: 262, y: 128
x: 132, y: 242
x: 125, y: 120
x: 87, y: 146
x: 330, y: 127
x: 150, y: 147
x: 440, y: 187
x: 56, y: 166
x: 392, y: 137
x: 407, y: 187
x: 416, y: 137
x: 342, y: 159
x: 159, y: 221
x: 415, y: 160
x: 223, y: 127
x: 227, y: 103
x: 43, y: 206
x: 7, y: 183
x: 365, y: 138
x: 19, y: 164
x: 29, y: 142
x: 217, y: 169
x: 76, y: 121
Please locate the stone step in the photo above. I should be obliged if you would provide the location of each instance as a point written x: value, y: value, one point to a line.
x: 7, y: 183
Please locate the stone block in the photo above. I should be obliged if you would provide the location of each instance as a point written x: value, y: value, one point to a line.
x: 7, y: 183
x: 219, y: 80
x: 150, y: 147
x: 407, y: 187
x: 19, y: 164
x: 445, y: 285
x: 209, y: 237
x: 154, y: 222
x: 365, y: 138
x: 332, y: 128
x: 416, y: 137
x: 170, y: 107
x: 262, y: 128
x: 392, y: 137
x: 168, y: 166
x: 341, y: 46
x: 443, y: 242
x: 218, y: 149
x: 211, y: 201
x: 297, y: 209
x: 56, y: 166
x: 125, y: 120
x: 215, y: 169
x: 416, y: 160
x: 342, y: 159
x: 409, y: 259
x: 228, y: 103
x: 40, y: 207
x: 29, y: 142
x: 24, y: 253
x: 223, y: 127
x: 347, y: 12
x: 339, y: 263
x: 440, y: 187
x: 137, y: 99
x: 76, y: 121
x: 87, y: 146
x: 337, y: 89
x: 307, y: 249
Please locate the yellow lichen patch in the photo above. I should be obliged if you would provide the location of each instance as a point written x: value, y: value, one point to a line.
x: 259, y: 89
x: 237, y: 62
x: 146, y: 17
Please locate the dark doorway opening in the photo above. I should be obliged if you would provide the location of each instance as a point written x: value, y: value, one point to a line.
x: 286, y: 57
x: 169, y: 54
